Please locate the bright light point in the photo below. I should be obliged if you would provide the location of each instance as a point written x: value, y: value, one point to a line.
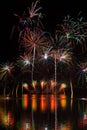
x: 67, y: 35
x: 6, y: 67
x: 85, y: 70
x: 42, y: 83
x: 34, y: 84
x: 7, y: 97
x: 26, y: 62
x: 25, y: 85
x: 45, y: 56
x: 52, y: 83
x: 62, y: 57
x: 46, y: 128
x: 63, y: 85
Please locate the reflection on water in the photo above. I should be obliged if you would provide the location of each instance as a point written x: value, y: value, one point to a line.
x: 43, y: 112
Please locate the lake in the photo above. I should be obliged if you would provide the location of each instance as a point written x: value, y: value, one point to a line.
x: 43, y: 112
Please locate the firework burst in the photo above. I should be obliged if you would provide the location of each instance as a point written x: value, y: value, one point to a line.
x: 34, y: 10
x: 82, y: 72
x: 28, y: 19
x: 72, y: 32
x: 33, y: 15
x: 62, y: 55
x: 35, y: 40
x: 5, y: 70
x: 24, y: 62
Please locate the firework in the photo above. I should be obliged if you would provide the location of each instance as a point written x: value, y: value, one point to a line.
x: 35, y: 39
x: 21, y: 25
x: 72, y: 32
x: 34, y: 10
x: 24, y: 62
x: 62, y: 55
x: 33, y: 15
x: 5, y: 70
x: 34, y: 84
x: 82, y: 72
x: 27, y: 19
x: 43, y: 54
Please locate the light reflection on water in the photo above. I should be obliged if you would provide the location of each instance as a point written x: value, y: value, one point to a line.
x: 43, y: 112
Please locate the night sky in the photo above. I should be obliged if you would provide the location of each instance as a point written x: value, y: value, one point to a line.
x: 54, y: 11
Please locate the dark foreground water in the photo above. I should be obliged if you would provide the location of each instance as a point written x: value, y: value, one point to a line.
x: 43, y: 112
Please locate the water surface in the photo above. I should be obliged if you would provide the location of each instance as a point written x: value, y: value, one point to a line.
x: 43, y: 112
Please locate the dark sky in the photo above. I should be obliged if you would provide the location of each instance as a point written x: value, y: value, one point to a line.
x: 55, y: 10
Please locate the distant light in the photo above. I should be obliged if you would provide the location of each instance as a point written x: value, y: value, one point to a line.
x: 85, y: 70
x: 45, y: 56
x: 26, y: 62
x: 63, y: 85
x: 7, y: 97
x: 25, y: 85
x: 6, y: 67
x: 67, y: 35
x: 46, y: 128
x: 62, y: 57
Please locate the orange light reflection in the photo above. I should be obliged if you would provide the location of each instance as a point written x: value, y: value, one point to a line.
x: 43, y: 103
x: 25, y: 101
x: 53, y: 103
x: 34, y: 102
x: 63, y: 101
